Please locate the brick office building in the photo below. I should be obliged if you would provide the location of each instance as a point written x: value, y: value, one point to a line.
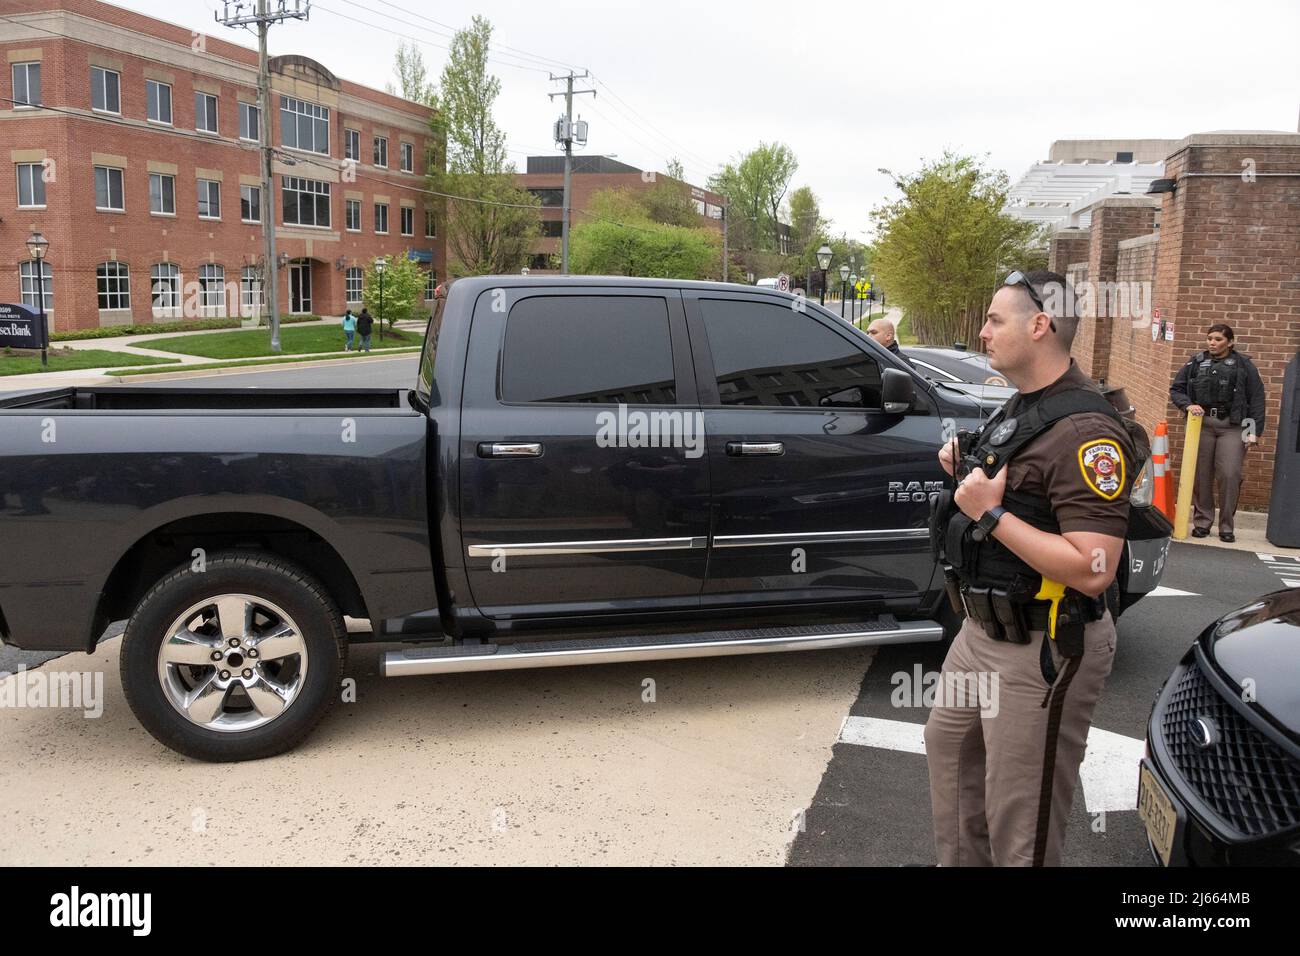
x: 132, y: 146
x: 544, y: 178
x: 1223, y: 245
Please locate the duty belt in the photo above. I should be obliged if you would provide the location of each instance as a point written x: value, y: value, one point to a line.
x: 1000, y: 617
x: 1214, y: 412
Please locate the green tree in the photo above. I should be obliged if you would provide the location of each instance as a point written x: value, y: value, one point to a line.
x: 946, y: 244
x: 493, y: 235
x: 755, y: 186
x: 404, y: 282
x: 619, y: 237
x: 413, y: 81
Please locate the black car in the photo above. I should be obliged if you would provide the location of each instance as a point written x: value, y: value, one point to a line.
x: 1220, y: 785
x: 960, y: 369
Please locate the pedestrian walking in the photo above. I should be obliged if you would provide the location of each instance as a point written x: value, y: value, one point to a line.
x: 1030, y: 539
x: 1224, y: 386
x: 365, y: 322
x: 349, y: 329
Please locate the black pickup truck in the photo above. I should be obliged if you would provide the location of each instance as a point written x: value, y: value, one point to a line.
x: 586, y: 470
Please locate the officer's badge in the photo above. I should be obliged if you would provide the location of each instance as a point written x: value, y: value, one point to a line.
x: 1003, y: 432
x: 1102, y: 464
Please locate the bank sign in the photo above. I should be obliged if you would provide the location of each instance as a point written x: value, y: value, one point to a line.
x: 20, y: 327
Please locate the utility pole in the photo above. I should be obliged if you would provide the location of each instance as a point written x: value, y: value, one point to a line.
x: 566, y: 134
x: 267, y: 12
x: 726, y: 225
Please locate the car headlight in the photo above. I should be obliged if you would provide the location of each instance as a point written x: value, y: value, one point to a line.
x: 1143, y: 488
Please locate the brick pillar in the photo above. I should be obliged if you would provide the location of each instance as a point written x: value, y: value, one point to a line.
x: 1229, y: 252
x: 1113, y: 220
x: 1066, y: 246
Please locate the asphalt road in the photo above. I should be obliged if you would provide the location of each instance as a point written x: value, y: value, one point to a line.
x: 872, y: 807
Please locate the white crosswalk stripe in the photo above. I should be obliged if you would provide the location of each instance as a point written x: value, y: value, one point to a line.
x: 1285, y: 566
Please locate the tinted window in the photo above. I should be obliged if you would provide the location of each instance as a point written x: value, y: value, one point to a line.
x: 588, y: 348
x: 767, y: 354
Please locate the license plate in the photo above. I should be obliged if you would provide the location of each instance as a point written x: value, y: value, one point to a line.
x: 1157, y: 812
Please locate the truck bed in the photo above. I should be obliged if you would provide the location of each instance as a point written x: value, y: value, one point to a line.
x: 132, y: 398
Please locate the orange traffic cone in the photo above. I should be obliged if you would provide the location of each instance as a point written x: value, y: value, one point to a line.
x: 1163, y: 492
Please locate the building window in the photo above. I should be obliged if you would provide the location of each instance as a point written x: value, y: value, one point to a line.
x: 209, y: 199
x: 407, y: 215
x: 699, y: 205
x: 352, y: 283
x: 381, y: 217
x: 1123, y: 157
x: 105, y: 90
x: 250, y: 203
x: 27, y: 274
x: 430, y: 285
x: 552, y: 228
x: 304, y: 126
x: 305, y: 202
x: 408, y: 158
x: 549, y: 197
x: 352, y: 211
x: 162, y: 194
x: 250, y: 291
x: 381, y: 151
x: 250, y: 122
x: 27, y: 85
x: 212, y: 289
x: 205, y: 112
x: 352, y: 144
x: 114, y: 286
x: 165, y: 288
x: 158, y: 97
x: 430, y: 225
x: 31, y: 186
x: 712, y: 211
x: 108, y: 189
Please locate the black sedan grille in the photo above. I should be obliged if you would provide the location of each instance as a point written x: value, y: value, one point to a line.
x: 1251, y: 783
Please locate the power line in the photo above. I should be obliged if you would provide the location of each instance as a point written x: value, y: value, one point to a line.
x: 647, y: 126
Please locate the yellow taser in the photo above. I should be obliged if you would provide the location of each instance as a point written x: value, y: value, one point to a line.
x: 1051, y: 591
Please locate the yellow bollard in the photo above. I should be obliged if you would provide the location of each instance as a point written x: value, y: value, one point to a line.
x: 1187, y: 476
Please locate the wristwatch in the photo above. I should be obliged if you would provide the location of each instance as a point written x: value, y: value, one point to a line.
x: 988, y: 521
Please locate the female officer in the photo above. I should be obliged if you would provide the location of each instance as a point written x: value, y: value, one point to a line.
x: 1224, y: 386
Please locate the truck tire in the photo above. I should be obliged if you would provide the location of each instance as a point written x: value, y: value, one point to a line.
x: 237, y: 660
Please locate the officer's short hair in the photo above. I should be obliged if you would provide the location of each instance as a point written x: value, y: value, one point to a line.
x: 1222, y: 327
x: 1059, y: 302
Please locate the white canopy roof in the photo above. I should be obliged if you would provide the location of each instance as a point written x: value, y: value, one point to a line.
x: 1061, y: 194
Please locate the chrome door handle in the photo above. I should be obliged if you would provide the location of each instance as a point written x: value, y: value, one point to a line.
x: 755, y: 448
x: 510, y: 449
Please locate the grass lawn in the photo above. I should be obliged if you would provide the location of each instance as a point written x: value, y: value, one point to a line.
x: 254, y: 343
x: 257, y: 363
x: 67, y: 360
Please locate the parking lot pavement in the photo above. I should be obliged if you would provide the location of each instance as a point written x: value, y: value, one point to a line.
x: 550, y: 766
x: 744, y: 760
x: 873, y: 805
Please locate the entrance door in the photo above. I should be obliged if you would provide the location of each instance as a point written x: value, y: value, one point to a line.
x: 300, y: 288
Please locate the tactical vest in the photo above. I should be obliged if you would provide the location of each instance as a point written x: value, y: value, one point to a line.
x: 1214, y: 387
x: 984, y: 562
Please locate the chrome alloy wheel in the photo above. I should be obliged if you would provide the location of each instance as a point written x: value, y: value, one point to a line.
x: 232, y: 663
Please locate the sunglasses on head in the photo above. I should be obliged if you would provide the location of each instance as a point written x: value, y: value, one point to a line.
x: 1018, y: 278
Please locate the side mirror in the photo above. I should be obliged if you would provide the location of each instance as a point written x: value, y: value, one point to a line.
x: 896, y: 391
x: 850, y: 397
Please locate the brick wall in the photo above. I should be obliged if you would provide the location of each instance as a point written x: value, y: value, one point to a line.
x: 1113, y: 220
x: 1076, y: 274
x: 1135, y: 362
x: 1230, y: 252
x: 1065, y: 247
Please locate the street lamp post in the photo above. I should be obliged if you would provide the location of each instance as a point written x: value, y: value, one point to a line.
x: 823, y: 263
x: 380, y: 265
x: 844, y: 278
x: 870, y: 295
x: 36, y: 248
x: 853, y: 303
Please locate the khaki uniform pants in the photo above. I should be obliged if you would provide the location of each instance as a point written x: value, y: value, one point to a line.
x: 1219, y: 459
x: 1002, y: 775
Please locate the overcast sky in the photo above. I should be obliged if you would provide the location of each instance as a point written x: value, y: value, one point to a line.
x: 849, y: 86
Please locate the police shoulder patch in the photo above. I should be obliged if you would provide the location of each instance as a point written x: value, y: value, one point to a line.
x: 1102, y: 464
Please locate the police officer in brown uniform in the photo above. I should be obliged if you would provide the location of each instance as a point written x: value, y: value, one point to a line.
x: 1224, y: 386
x: 1030, y: 540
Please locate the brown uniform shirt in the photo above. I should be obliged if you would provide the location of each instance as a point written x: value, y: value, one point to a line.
x: 1083, y: 464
